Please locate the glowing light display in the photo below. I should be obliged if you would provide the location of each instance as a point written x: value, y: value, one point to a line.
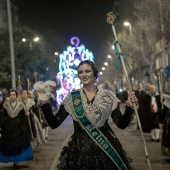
x: 67, y: 76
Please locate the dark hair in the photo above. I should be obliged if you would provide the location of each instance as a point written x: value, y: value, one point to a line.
x: 139, y: 82
x: 24, y: 90
x: 91, y: 63
x: 12, y: 90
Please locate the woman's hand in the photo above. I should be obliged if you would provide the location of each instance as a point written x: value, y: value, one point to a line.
x: 131, y: 99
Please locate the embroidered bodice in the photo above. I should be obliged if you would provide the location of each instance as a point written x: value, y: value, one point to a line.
x: 98, y: 111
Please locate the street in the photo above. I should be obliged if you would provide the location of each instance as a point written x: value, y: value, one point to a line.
x: 130, y: 139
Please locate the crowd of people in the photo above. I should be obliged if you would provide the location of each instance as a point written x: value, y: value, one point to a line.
x: 153, y: 110
x: 25, y: 119
x: 22, y: 127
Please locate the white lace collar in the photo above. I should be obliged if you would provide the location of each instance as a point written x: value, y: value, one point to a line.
x: 29, y: 103
x: 13, y: 111
x: 98, y: 111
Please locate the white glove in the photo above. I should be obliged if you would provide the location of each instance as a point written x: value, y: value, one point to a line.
x: 44, y: 89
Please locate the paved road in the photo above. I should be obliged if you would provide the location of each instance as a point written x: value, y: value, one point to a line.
x: 130, y: 139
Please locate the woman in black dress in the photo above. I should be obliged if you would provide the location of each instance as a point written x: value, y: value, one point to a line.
x: 93, y: 144
x: 15, y: 145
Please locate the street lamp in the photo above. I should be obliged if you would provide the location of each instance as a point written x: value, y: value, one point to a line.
x: 24, y: 40
x: 105, y: 63
x: 103, y: 68
x: 56, y: 53
x: 36, y: 39
x: 127, y: 24
x: 11, y: 43
x: 109, y: 56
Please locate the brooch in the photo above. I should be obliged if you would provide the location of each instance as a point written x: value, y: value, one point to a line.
x: 76, y: 102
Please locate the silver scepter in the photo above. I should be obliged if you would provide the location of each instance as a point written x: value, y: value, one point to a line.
x: 110, y: 19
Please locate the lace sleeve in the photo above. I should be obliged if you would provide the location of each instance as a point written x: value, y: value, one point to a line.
x: 114, y: 99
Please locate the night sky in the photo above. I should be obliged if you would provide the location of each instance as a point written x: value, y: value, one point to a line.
x: 85, y: 19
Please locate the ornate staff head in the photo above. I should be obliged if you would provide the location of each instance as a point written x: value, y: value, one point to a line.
x: 110, y: 18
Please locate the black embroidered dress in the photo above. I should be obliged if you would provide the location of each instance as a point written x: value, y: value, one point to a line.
x: 15, y: 143
x: 79, y: 151
x: 165, y: 120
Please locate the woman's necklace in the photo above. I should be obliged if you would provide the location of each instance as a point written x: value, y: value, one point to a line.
x: 90, y: 98
x: 90, y: 95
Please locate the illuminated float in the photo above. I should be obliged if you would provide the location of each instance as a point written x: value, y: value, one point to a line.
x: 67, y: 76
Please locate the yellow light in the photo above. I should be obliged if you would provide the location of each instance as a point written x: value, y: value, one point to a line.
x: 36, y: 39
x: 23, y: 40
x: 126, y: 23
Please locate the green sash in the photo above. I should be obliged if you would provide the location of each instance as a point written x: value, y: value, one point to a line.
x: 95, y: 133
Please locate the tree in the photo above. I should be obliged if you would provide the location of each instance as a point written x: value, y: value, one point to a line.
x: 5, y: 78
x: 141, y: 46
x: 28, y: 59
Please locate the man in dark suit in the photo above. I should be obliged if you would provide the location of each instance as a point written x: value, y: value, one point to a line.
x: 152, y: 109
x: 140, y: 93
